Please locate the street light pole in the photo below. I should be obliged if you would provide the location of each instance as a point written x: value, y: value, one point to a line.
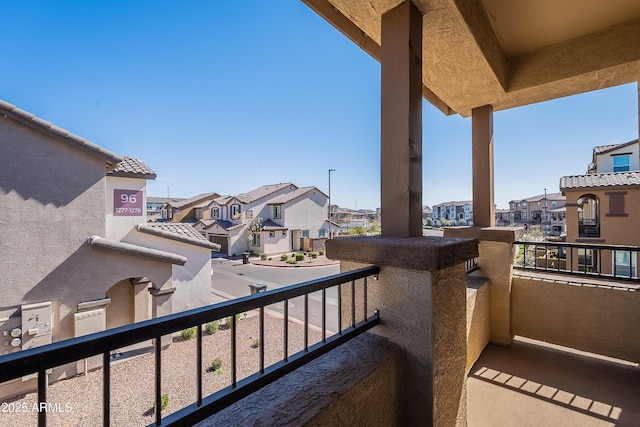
x: 329, y: 208
x: 544, y: 209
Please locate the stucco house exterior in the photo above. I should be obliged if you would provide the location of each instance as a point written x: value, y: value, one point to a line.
x: 546, y: 210
x: 78, y: 256
x: 460, y: 212
x: 603, y: 206
x: 187, y: 210
x: 287, y: 215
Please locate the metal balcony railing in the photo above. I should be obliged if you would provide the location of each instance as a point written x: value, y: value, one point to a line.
x: 39, y: 360
x: 597, y: 261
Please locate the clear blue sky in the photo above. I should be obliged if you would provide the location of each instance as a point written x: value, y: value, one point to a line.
x: 228, y: 96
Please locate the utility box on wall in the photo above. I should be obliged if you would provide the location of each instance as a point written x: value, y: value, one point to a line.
x: 37, y: 324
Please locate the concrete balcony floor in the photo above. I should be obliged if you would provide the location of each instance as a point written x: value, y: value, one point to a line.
x: 536, y: 384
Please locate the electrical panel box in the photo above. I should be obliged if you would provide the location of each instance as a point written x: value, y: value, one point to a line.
x: 37, y: 324
x: 88, y: 322
x: 10, y: 330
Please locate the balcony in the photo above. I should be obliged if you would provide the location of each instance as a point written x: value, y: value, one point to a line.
x: 577, y: 363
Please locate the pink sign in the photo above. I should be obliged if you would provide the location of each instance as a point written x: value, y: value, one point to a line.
x: 127, y: 203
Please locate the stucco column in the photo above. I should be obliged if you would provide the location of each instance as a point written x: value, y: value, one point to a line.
x: 495, y: 261
x: 482, y: 154
x: 162, y: 306
x: 421, y: 295
x: 401, y: 122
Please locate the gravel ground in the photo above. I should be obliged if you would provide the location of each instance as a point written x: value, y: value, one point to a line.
x: 78, y: 401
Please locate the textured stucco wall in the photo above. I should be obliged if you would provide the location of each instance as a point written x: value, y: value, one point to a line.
x: 424, y: 313
x: 356, y: 384
x: 478, y: 318
x: 306, y: 213
x: 51, y: 200
x: 120, y: 226
x: 596, y: 318
x: 192, y: 280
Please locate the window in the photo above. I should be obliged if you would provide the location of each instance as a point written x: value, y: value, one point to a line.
x: 256, y: 239
x: 305, y: 233
x: 524, y: 205
x: 616, y: 203
x: 215, y: 212
x: 199, y: 213
x: 277, y: 211
x: 621, y: 163
x: 322, y: 232
x: 513, y: 205
x: 588, y: 217
x: 524, y: 215
x: 553, y: 203
x: 235, y: 210
x: 623, y: 264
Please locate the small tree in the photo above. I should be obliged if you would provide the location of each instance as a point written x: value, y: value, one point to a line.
x: 255, y: 227
x: 358, y: 229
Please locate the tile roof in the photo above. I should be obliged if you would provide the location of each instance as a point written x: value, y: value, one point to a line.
x: 62, y: 135
x: 151, y: 199
x: 287, y: 197
x: 601, y: 149
x: 269, y: 224
x: 613, y: 179
x: 130, y: 249
x: 466, y: 202
x: 191, y: 200
x: 227, y: 225
x: 180, y: 232
x: 261, y: 192
x: 132, y: 168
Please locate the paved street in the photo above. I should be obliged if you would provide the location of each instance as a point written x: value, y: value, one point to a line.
x: 231, y: 279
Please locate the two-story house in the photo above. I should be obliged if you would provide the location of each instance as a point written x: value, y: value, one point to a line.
x: 453, y: 213
x: 546, y: 210
x: 187, y: 210
x: 287, y: 214
x: 77, y: 253
x: 603, y: 205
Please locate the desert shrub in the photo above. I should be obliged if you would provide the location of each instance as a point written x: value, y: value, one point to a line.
x: 227, y: 321
x: 255, y: 344
x: 313, y: 254
x: 212, y: 327
x: 189, y: 333
x: 292, y: 261
x: 299, y: 257
x: 216, y: 365
x: 321, y: 252
x: 284, y: 257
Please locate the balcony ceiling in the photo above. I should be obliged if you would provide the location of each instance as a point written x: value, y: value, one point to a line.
x: 507, y: 53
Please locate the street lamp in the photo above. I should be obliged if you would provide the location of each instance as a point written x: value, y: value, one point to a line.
x: 544, y: 210
x: 329, y: 209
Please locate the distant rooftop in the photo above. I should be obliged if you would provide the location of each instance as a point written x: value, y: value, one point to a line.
x: 613, y: 179
x: 132, y: 168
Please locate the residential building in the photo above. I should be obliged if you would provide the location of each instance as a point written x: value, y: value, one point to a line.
x: 473, y: 61
x: 155, y: 205
x: 88, y: 260
x: 187, y: 210
x: 503, y: 217
x: 602, y: 205
x: 347, y: 218
x: 546, y: 210
x: 453, y: 213
x: 287, y: 215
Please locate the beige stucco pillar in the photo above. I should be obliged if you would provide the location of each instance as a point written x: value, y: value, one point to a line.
x: 401, y: 122
x: 140, y: 299
x: 421, y: 296
x: 162, y: 306
x: 482, y: 154
x: 495, y: 261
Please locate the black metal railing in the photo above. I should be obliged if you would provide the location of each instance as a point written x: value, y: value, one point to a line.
x: 471, y: 265
x: 39, y: 360
x: 600, y: 261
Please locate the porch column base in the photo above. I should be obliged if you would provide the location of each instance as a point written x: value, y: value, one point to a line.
x: 421, y: 295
